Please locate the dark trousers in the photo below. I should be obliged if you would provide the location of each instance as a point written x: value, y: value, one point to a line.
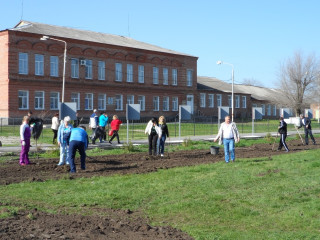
x: 153, y: 139
x: 55, y: 133
x: 282, y: 142
x: 115, y: 134
x: 73, y: 147
x: 103, y: 135
x: 306, y: 133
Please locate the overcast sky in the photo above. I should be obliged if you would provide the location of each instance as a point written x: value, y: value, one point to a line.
x: 253, y: 35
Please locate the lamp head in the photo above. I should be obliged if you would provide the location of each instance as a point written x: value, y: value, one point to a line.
x: 219, y: 62
x: 44, y: 38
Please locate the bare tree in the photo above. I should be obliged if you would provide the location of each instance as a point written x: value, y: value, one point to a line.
x: 298, y: 77
x: 252, y: 82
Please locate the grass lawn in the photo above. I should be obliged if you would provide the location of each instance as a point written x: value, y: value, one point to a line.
x: 264, y: 198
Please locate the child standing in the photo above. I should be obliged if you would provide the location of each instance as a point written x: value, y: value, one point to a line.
x: 25, y: 135
x: 115, y: 126
x: 165, y: 133
x: 63, y: 140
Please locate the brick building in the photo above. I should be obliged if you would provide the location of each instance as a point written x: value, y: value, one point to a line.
x: 103, y: 72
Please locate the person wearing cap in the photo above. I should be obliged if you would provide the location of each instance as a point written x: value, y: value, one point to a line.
x: 63, y: 140
x: 78, y: 141
x: 306, y: 123
x: 94, y: 121
x: 282, y: 129
x: 55, y: 127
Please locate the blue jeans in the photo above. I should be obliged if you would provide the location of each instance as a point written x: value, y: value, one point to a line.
x: 73, y: 147
x: 228, y: 149
x: 161, y: 142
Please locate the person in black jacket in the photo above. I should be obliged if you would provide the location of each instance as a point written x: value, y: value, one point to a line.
x: 165, y: 134
x: 282, y: 129
x: 306, y: 123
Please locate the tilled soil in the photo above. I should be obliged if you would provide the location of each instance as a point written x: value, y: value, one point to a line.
x: 120, y: 224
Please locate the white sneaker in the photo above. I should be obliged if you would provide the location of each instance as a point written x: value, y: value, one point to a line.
x: 162, y: 155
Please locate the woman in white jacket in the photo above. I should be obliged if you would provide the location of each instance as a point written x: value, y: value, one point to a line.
x: 154, y: 133
x: 55, y: 127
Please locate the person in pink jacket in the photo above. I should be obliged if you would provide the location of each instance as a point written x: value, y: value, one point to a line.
x: 115, y: 126
x: 25, y: 135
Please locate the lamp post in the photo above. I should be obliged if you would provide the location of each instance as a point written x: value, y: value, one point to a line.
x: 232, y: 105
x: 44, y: 38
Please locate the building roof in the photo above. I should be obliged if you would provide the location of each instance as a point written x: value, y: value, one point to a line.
x: 211, y: 83
x: 71, y: 33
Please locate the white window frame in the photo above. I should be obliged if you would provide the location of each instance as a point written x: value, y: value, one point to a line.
x: 202, y: 100
x: 142, y: 102
x: 156, y: 103
x: 119, y: 102
x: 141, y: 74
x: 174, y: 77
x: 275, y: 110
x: 130, y: 99
x: 74, y: 68
x: 230, y: 101
x: 88, y: 69
x: 165, y: 73
x: 219, y: 100
x: 166, y: 104
x: 175, y: 103
x: 269, y: 109
x: 39, y: 100
x: 75, y: 97
x: 211, y: 100
x: 244, y: 101
x: 118, y: 77
x: 189, y: 77
x: 23, y: 63
x: 54, y: 100
x: 129, y: 73
x: 101, y: 70
x: 237, y: 101
x: 155, y: 75
x: 263, y: 106
x: 39, y: 64
x: 88, y: 101
x: 102, y: 101
x: 23, y: 99
x: 54, y: 66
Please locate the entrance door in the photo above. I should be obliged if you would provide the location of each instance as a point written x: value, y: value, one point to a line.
x: 190, y: 102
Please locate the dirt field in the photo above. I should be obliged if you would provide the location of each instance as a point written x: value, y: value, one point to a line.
x: 118, y: 224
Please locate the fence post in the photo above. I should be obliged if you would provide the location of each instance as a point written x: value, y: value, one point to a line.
x: 175, y: 127
x: 194, y: 126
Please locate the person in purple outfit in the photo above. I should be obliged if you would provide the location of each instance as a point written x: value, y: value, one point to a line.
x: 25, y: 135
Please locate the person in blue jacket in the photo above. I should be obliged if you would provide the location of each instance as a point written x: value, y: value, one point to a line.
x: 78, y: 141
x: 63, y: 140
x: 103, y: 122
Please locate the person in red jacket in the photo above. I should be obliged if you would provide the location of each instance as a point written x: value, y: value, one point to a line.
x: 115, y: 125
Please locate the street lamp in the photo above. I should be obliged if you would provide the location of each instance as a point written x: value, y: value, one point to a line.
x: 232, y: 105
x: 44, y: 38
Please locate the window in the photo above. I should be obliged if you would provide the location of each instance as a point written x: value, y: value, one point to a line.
x: 88, y: 68
x: 119, y: 102
x: 269, y: 109
x: 74, y: 68
x: 54, y: 100
x: 165, y: 76
x: 75, y: 97
x: 175, y: 104
x: 129, y: 73
x: 23, y: 99
x: 141, y: 74
x: 244, y: 102
x: 39, y: 100
x: 38, y: 65
x: 119, y: 72
x: 155, y: 75
x: 102, y: 98
x: 54, y: 66
x: 174, y: 77
x: 263, y: 109
x: 101, y: 70
x: 202, y: 100
x: 88, y: 101
x: 219, y: 100
x: 189, y: 78
x: 142, y: 102
x: 165, y: 106
x: 156, y: 103
x: 237, y: 101
x: 274, y: 110
x: 211, y: 100
x: 130, y: 99
x: 229, y: 100
x: 23, y: 63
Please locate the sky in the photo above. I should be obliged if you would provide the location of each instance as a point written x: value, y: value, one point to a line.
x: 255, y: 36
